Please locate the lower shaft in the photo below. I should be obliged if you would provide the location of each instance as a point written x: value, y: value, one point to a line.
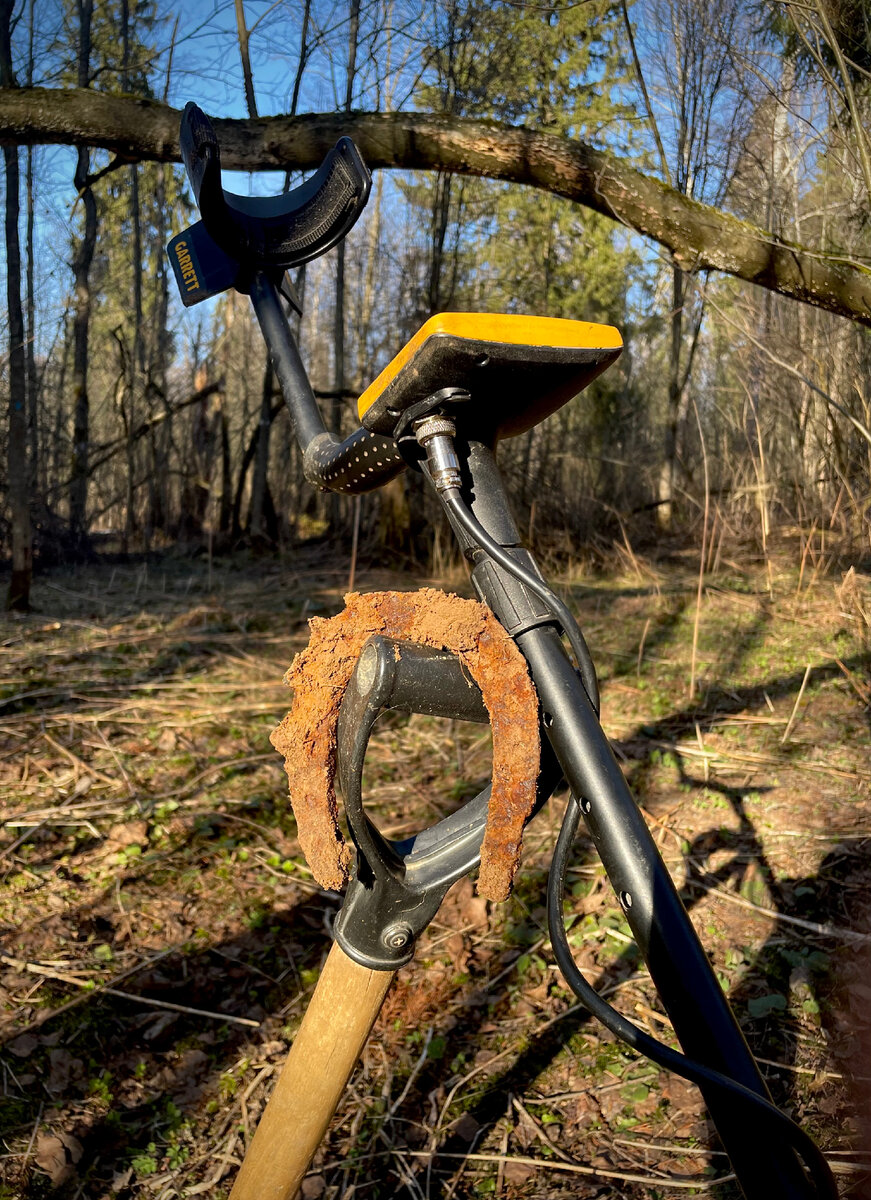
x: 333, y: 1033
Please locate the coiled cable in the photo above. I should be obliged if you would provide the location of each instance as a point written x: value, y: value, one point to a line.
x: 650, y: 1047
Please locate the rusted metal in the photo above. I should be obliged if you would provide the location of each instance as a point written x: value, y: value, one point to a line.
x: 319, y: 675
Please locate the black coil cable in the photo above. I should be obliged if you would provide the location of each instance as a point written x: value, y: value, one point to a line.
x: 658, y: 1052
x: 464, y: 516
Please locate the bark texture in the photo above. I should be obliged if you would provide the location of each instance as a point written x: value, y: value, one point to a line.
x: 698, y: 235
x: 18, y: 596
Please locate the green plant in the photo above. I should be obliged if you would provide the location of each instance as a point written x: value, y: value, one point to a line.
x: 99, y: 1088
x: 145, y: 1163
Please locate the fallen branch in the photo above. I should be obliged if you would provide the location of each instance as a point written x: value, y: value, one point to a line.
x: 817, y: 1074
x: 150, y: 1002
x: 699, y: 237
x: 539, y: 1132
x: 790, y: 723
x: 674, y: 1181
x: 91, y: 987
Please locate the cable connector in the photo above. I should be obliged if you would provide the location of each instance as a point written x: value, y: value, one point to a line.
x: 435, y: 435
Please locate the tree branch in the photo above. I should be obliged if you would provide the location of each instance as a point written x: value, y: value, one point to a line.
x: 110, y: 449
x: 796, y: 374
x: 700, y: 237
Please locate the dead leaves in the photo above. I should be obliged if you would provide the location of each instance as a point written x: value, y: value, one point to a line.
x: 23, y: 1046
x: 64, y: 1069
x: 131, y: 833
x: 57, y: 1156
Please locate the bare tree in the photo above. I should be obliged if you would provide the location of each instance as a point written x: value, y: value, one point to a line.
x: 132, y: 362
x: 821, y: 29
x: 242, y: 33
x: 30, y: 303
x: 339, y: 311
x: 693, y: 52
x: 260, y: 442
x: 261, y: 507
x: 84, y: 256
x: 18, y: 596
x: 160, y: 434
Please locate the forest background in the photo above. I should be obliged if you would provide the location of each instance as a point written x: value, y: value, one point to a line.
x: 694, y: 172
x: 735, y: 409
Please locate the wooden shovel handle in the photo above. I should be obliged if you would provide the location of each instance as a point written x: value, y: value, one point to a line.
x: 334, y: 1030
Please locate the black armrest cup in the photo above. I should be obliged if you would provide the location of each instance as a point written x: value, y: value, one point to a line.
x: 273, y: 233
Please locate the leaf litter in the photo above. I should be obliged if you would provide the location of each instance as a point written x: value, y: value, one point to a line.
x: 148, y: 851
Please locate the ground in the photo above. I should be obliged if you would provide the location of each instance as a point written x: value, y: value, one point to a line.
x: 161, y: 934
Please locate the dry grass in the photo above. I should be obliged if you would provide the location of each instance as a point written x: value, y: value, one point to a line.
x: 161, y: 934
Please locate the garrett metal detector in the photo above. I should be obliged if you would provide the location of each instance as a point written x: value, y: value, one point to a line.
x: 462, y: 383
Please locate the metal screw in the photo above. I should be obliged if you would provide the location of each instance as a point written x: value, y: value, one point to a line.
x: 396, y: 937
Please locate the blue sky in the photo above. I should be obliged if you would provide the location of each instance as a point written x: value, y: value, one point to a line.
x: 206, y: 68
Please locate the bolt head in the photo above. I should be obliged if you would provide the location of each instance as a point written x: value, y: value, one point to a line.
x: 396, y: 937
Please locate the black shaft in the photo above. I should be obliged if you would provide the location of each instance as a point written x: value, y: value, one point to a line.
x: 679, y: 967
x: 292, y: 378
x: 355, y: 464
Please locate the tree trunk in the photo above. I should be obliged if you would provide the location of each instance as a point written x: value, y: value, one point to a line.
x: 257, y: 515
x: 339, y: 311
x: 197, y: 486
x: 225, y: 512
x: 242, y: 31
x: 336, y: 407
x: 81, y: 330
x: 338, y: 343
x: 247, y: 458
x: 303, y: 56
x: 256, y: 524
x: 367, y: 296
x: 18, y: 596
x: 156, y: 386
x: 160, y: 439
x: 672, y: 416
x: 30, y: 303
x: 78, y: 497
x: 30, y: 332
x: 136, y: 362
x: 137, y: 355
x: 441, y: 207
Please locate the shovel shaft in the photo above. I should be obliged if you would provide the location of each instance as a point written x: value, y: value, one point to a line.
x: 334, y: 1030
